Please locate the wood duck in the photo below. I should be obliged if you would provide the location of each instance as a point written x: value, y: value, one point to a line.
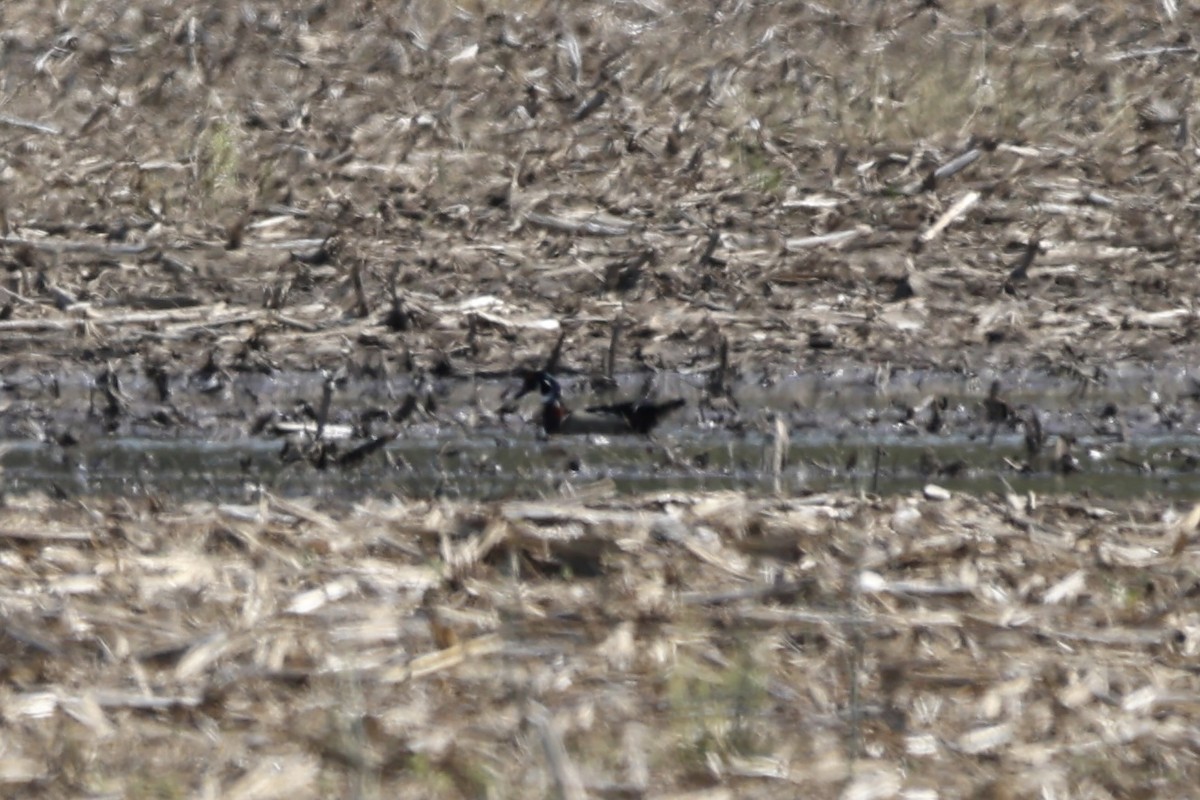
x: 634, y: 416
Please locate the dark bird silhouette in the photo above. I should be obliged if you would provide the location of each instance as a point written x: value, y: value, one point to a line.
x: 634, y: 416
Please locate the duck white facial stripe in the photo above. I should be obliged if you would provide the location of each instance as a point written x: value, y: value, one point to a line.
x: 550, y: 389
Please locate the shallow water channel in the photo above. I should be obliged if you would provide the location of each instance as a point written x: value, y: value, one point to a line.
x: 497, y: 467
x: 1135, y: 432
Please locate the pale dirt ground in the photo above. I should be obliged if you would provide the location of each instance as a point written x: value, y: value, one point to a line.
x: 200, y: 190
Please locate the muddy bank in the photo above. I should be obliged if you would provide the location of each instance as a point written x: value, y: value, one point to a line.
x: 445, y: 190
x: 234, y: 435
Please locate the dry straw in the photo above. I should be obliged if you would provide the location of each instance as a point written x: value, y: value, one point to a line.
x: 601, y: 648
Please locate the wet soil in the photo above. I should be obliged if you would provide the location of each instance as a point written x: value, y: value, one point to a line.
x: 468, y: 439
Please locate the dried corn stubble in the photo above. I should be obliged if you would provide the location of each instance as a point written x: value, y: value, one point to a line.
x: 1018, y: 640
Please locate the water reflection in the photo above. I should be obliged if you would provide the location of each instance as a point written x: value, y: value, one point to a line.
x: 505, y: 465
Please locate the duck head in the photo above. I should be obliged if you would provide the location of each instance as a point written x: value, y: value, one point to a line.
x: 542, y: 382
x: 554, y: 411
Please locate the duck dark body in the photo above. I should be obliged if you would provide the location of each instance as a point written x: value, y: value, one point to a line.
x: 638, y: 416
x: 641, y: 416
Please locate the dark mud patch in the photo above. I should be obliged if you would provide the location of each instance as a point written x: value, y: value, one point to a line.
x: 1126, y: 431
